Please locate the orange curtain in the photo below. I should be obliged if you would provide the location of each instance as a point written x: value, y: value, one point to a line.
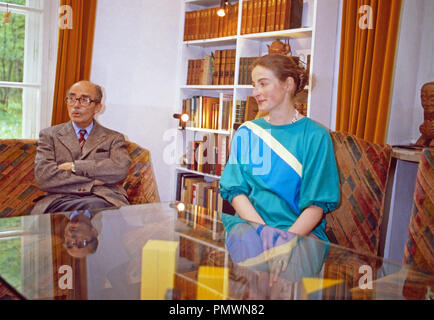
x: 74, y: 53
x: 366, y: 67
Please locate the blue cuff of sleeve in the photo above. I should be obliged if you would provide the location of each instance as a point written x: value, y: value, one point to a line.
x: 230, y: 194
x: 326, y: 206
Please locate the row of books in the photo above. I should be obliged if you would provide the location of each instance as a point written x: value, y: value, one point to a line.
x: 257, y: 16
x: 219, y: 68
x: 215, y: 69
x: 271, y: 15
x: 209, y: 112
x: 206, y: 24
x: 224, y: 67
x: 245, y: 71
x: 195, y: 190
x: 208, y: 155
x: 200, y: 71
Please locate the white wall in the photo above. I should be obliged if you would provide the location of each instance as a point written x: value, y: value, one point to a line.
x: 324, y: 62
x: 135, y: 61
x: 414, y: 67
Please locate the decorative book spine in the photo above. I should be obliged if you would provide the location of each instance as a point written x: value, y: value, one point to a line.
x: 196, y: 25
x: 263, y: 24
x: 271, y: 15
x: 286, y: 14
x: 235, y: 19
x: 251, y: 109
x: 255, y: 19
x: 217, y: 61
x: 186, y: 25
x: 277, y: 15
x: 296, y: 13
x: 222, y: 68
x: 249, y: 16
x: 244, y: 18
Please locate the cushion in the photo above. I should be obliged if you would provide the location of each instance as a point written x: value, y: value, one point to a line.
x: 419, y: 249
x: 363, y: 171
x: 140, y: 183
x: 18, y: 188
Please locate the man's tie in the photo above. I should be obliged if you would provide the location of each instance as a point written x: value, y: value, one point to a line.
x: 82, y: 140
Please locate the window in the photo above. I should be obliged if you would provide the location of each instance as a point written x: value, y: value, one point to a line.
x: 28, y: 46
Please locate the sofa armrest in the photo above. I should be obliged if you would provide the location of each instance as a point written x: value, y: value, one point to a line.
x: 140, y: 183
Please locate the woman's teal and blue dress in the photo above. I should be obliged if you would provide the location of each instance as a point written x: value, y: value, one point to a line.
x: 283, y: 170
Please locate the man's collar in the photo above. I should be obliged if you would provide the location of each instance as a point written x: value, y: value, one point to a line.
x: 88, y: 128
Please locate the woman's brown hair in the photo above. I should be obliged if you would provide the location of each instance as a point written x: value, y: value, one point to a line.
x: 284, y: 67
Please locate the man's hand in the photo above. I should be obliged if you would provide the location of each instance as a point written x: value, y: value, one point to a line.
x: 65, y: 166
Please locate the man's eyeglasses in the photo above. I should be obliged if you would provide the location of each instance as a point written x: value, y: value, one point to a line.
x: 80, y: 244
x: 84, y: 101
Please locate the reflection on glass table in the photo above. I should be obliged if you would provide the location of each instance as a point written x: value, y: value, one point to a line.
x: 163, y: 251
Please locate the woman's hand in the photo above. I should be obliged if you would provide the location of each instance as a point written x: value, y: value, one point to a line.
x: 273, y: 238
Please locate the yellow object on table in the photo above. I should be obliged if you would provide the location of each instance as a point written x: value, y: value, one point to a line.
x: 311, y: 285
x: 212, y: 283
x: 158, y: 269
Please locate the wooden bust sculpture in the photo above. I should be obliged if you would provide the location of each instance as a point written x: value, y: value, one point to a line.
x: 427, y: 127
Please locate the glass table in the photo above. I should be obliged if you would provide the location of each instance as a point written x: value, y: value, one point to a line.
x: 168, y: 251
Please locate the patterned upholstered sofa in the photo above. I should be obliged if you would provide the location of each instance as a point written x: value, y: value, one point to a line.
x: 363, y: 173
x: 419, y: 249
x: 18, y: 188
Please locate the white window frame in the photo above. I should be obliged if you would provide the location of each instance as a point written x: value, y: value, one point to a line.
x: 40, y: 59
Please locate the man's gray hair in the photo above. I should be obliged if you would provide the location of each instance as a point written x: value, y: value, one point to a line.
x: 99, y: 93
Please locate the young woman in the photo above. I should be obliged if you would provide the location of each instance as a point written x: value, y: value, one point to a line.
x: 281, y: 170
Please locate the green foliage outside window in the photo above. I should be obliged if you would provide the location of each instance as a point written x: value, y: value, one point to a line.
x: 12, y: 36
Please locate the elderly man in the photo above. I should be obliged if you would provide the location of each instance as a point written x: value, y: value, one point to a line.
x: 80, y: 164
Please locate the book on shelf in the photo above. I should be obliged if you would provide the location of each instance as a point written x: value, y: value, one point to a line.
x: 251, y: 109
x: 278, y: 19
x: 244, y: 18
x: 215, y: 69
x: 249, y: 17
x: 262, y: 23
x: 225, y: 111
x: 245, y: 70
x: 208, y: 155
x: 180, y: 182
x: 222, y: 152
x: 200, y: 71
x: 223, y: 67
x: 214, y: 113
x: 216, y: 73
x: 240, y: 109
x: 206, y: 24
x: 195, y: 190
x: 271, y: 15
